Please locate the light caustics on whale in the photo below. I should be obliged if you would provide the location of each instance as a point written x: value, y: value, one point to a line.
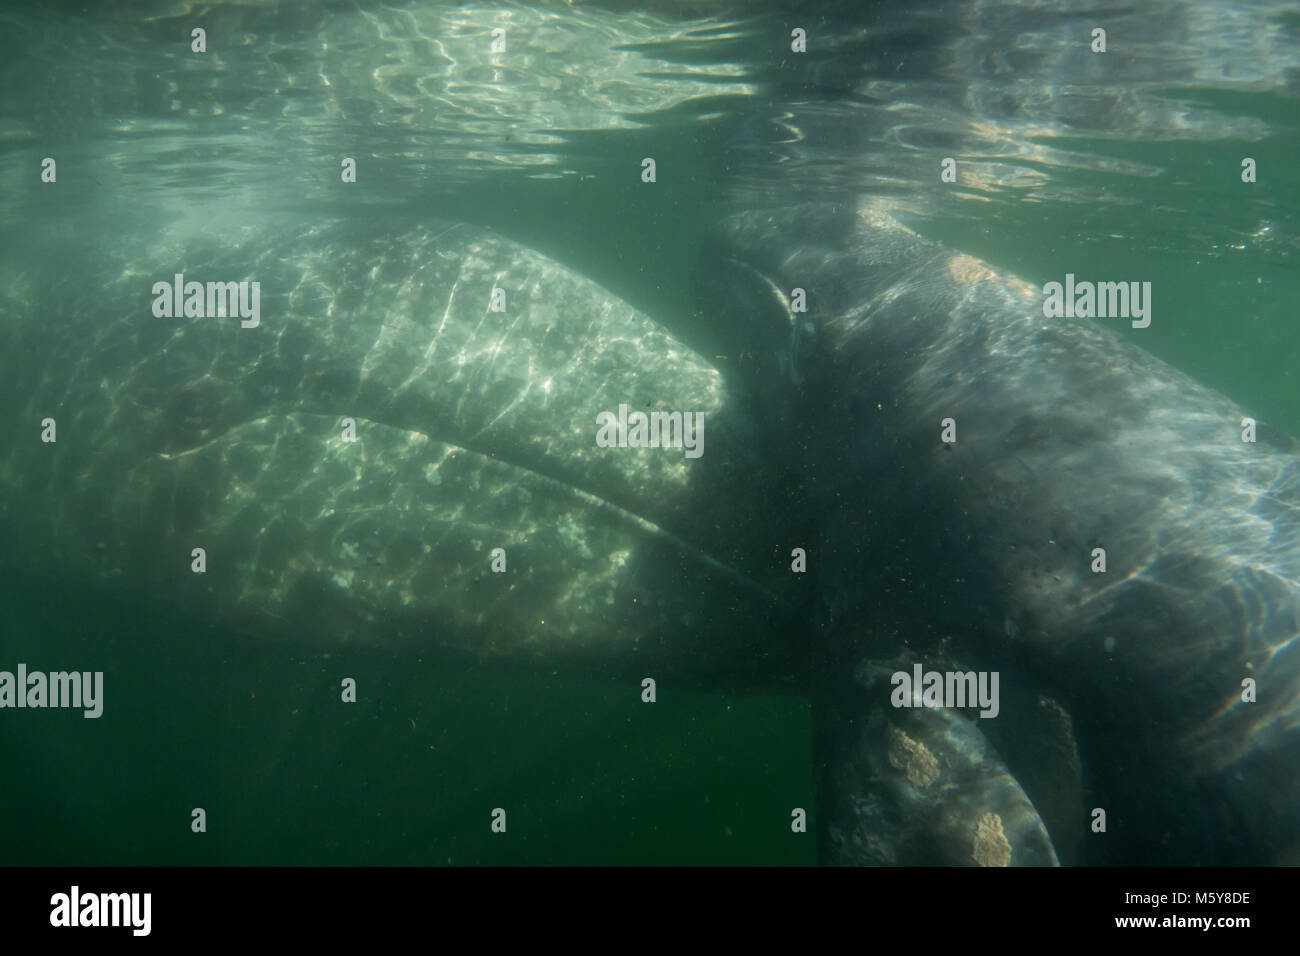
x: 1069, y: 439
x: 475, y: 428
x: 475, y: 431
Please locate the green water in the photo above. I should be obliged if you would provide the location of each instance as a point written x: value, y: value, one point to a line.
x: 588, y: 774
x: 1221, y: 254
x: 409, y: 775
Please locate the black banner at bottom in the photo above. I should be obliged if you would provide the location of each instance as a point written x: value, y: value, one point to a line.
x: 336, y: 905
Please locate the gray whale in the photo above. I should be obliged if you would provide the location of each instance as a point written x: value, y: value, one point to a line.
x: 1120, y: 691
x: 196, y: 432
x: 475, y: 430
x: 1068, y: 439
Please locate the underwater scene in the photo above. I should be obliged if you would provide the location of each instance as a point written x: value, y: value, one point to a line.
x: 665, y: 433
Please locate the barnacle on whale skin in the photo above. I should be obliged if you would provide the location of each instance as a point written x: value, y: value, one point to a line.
x: 913, y: 758
x: 991, y: 847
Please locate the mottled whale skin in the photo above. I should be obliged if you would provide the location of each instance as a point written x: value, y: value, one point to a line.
x: 475, y: 430
x: 1120, y: 691
x: 979, y: 553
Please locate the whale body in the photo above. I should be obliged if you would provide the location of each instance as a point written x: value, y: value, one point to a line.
x: 1068, y: 439
x: 380, y: 418
x: 351, y: 466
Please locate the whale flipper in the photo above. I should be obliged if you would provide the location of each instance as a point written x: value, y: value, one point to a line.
x: 928, y: 790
